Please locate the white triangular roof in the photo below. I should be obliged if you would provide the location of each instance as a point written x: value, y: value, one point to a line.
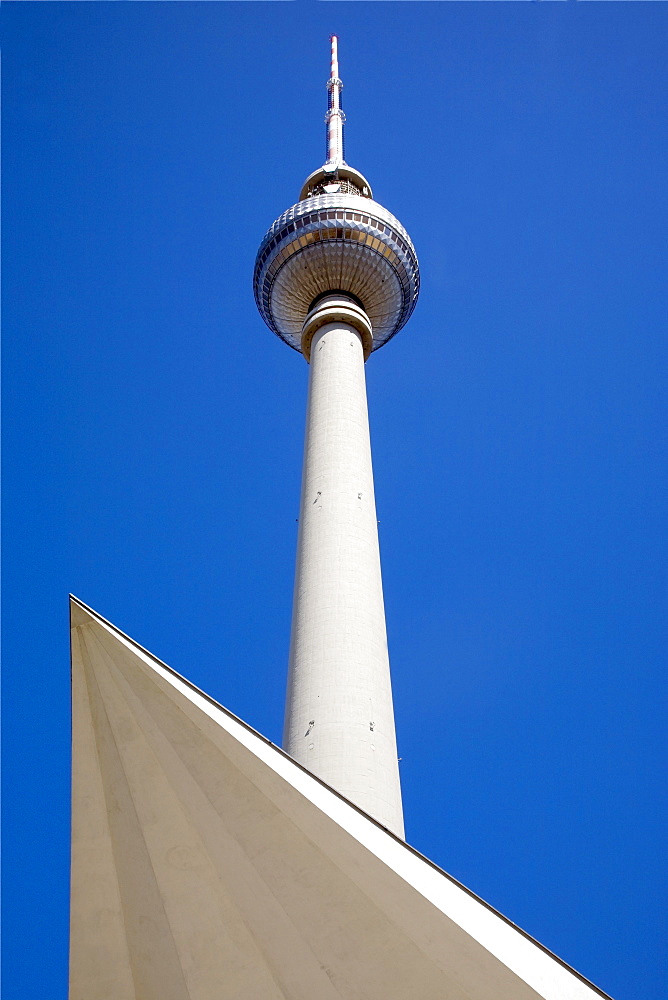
x: 208, y: 865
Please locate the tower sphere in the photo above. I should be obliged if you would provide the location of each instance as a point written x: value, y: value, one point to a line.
x: 336, y: 239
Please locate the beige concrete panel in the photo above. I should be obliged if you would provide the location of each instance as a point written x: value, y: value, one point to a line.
x: 201, y: 777
x: 271, y: 885
x: 155, y: 964
x: 337, y: 918
x: 216, y: 955
x: 283, y: 892
x: 99, y: 957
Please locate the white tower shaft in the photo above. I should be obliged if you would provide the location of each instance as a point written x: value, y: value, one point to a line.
x: 339, y: 716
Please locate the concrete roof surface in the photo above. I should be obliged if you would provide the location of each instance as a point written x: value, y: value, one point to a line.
x: 207, y: 864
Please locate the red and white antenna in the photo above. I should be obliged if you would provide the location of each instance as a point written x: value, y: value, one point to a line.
x: 334, y: 72
x: 335, y: 117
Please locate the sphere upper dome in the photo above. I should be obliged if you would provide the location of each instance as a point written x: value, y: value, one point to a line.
x: 336, y: 242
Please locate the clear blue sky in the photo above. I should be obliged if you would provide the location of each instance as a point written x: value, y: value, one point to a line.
x: 153, y: 425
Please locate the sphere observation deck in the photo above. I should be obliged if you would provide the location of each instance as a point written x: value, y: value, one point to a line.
x: 336, y: 239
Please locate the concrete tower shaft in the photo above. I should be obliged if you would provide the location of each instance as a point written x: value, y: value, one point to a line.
x: 339, y: 718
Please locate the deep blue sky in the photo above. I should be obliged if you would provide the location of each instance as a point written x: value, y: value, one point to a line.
x: 153, y: 425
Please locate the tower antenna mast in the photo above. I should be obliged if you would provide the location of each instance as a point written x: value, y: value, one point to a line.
x: 335, y: 117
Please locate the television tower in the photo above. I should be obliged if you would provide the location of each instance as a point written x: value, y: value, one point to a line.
x: 335, y: 277
x: 207, y: 864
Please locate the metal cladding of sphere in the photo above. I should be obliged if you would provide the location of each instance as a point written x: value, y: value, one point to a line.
x: 336, y: 239
x: 336, y: 242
